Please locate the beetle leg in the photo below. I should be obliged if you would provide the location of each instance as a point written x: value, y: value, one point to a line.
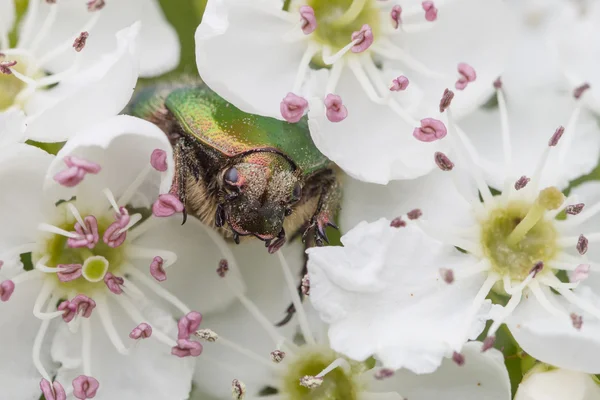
x: 329, y: 201
x: 325, y: 212
x: 179, y: 188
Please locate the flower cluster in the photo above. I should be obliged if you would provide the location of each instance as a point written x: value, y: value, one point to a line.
x: 171, y: 236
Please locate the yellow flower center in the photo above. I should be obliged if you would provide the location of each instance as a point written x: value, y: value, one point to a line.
x: 516, y: 237
x: 338, y: 384
x: 94, y: 261
x: 338, y: 19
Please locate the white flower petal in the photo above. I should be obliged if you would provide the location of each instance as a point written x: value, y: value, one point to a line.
x: 469, y: 31
x: 558, y: 384
x: 368, y: 202
x: 193, y: 278
x: 22, y: 171
x: 531, y: 127
x: 122, y: 146
x: 268, y: 63
x: 553, y: 339
x: 383, y: 294
x: 90, y: 96
x: 483, y: 376
x: 7, y: 19
x: 267, y: 289
x: 373, y: 143
x: 569, y: 30
x: 148, y: 372
x: 18, y: 327
x: 12, y: 127
x: 158, y: 44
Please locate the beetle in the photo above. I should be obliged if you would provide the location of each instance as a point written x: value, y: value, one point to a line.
x: 248, y: 176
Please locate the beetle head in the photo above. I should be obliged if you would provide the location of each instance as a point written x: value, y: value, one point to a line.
x: 259, y: 192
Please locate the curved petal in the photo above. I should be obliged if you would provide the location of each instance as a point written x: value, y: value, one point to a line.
x: 558, y: 384
x: 373, y: 143
x: 87, y: 97
x: 148, y: 372
x: 368, y: 202
x: 7, y: 19
x: 570, y: 29
x: 553, y: 339
x: 24, y: 207
x: 12, y: 127
x: 158, y: 44
x: 483, y: 376
x: 531, y: 126
x: 383, y: 294
x: 269, y: 62
x: 472, y: 32
x: 18, y: 327
x: 222, y: 364
x: 122, y: 147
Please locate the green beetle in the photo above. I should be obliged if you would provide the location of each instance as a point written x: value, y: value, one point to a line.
x: 245, y: 174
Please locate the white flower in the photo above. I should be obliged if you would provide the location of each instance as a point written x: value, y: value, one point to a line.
x: 383, y: 295
x: 514, y: 245
x: 69, y: 96
x: 245, y: 349
x: 71, y: 314
x: 157, y: 42
x: 557, y: 384
x: 368, y: 52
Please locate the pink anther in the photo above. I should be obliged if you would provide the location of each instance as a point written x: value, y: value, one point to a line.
x: 467, y: 75
x: 85, y: 387
x: 88, y: 234
x: 158, y: 160
x: 430, y: 10
x: 95, y: 5
x: 142, y: 331
x: 363, y: 39
x: 336, y: 110
x: 77, y: 169
x: 188, y: 324
x: 399, y: 84
x: 5, y: 67
x: 309, y: 21
x: 114, y: 283
x: 52, y: 391
x: 68, y: 272
x: 396, y: 15
x: 84, y: 304
x: 292, y: 107
x: 69, y: 310
x: 156, y: 269
x: 80, y: 41
x: 186, y: 348
x: 6, y: 290
x: 430, y: 130
x: 115, y: 235
x: 167, y: 205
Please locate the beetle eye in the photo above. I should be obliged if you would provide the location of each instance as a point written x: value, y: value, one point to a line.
x: 296, y: 193
x: 232, y: 176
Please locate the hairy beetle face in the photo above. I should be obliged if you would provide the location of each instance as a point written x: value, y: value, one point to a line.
x: 257, y: 198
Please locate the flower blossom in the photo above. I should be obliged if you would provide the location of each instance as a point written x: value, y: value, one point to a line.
x: 78, y: 283
x: 245, y: 362
x: 37, y: 78
x: 367, y: 70
x: 517, y: 247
